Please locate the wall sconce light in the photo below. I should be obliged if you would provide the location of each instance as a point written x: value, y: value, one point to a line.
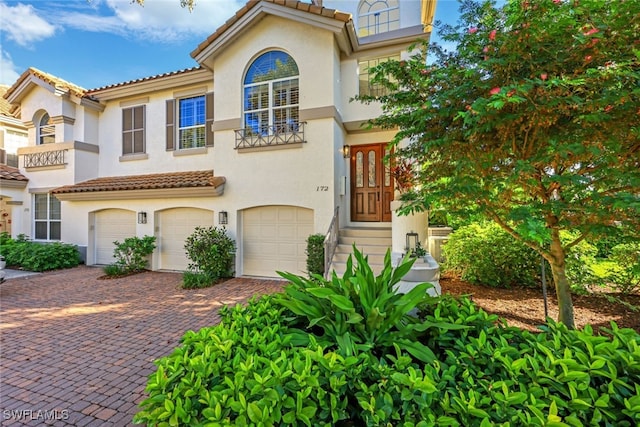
x: 346, y: 151
x: 223, y: 218
x: 142, y: 217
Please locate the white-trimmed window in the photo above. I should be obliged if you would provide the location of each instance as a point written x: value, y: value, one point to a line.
x: 366, y: 87
x: 378, y: 16
x: 271, y: 94
x: 47, y: 217
x: 46, y: 130
x: 191, y: 122
x: 133, y: 134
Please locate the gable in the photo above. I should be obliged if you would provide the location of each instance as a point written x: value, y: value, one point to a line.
x: 255, y: 11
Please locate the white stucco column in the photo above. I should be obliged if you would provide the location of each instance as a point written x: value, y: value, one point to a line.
x: 417, y: 222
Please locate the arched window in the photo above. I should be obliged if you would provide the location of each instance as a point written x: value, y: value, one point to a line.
x: 378, y: 16
x: 271, y: 94
x: 46, y: 130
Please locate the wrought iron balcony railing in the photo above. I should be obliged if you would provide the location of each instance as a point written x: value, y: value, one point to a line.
x: 268, y: 136
x: 46, y: 158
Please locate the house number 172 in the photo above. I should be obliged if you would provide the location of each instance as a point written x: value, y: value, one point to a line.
x: 322, y: 188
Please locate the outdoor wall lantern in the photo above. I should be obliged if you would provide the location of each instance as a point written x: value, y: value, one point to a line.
x: 223, y: 218
x: 142, y: 217
x: 412, y: 242
x: 346, y: 151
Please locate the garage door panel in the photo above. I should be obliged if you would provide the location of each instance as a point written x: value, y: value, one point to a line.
x: 175, y: 225
x: 280, y: 244
x: 112, y: 225
x: 303, y: 231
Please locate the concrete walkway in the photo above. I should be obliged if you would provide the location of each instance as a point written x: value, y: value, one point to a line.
x: 76, y: 350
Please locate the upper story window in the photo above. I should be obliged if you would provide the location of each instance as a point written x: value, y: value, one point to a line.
x: 366, y: 87
x: 47, y: 217
x: 271, y: 95
x: 191, y: 122
x: 133, y: 134
x: 378, y: 16
x: 46, y: 130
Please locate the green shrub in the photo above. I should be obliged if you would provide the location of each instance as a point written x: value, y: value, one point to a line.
x: 34, y: 256
x: 131, y: 255
x: 625, y: 275
x: 483, y: 253
x: 315, y: 254
x: 245, y: 372
x: 354, y: 366
x: 486, y: 254
x: 212, y: 251
x: 112, y: 270
x: 5, y: 238
x: 197, y: 279
x: 580, y: 260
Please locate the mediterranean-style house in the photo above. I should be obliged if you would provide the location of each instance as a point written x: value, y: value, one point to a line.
x: 261, y: 138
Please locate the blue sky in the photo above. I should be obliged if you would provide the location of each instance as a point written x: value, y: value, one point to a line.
x: 94, y: 43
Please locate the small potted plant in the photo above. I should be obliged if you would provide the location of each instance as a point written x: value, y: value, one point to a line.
x: 419, y: 252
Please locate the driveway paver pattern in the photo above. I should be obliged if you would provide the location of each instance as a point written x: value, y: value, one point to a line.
x: 76, y: 350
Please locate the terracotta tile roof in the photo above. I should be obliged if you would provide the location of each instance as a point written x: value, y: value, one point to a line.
x: 293, y: 4
x: 5, y: 107
x: 49, y: 78
x: 146, y: 182
x: 144, y: 79
x: 11, y: 173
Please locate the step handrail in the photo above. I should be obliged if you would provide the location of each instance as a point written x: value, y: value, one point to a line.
x: 331, y: 241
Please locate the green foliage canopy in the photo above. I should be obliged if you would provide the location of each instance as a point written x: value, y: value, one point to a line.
x: 533, y: 121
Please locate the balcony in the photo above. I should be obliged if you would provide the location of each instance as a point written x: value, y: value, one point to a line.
x: 60, y: 155
x: 270, y: 136
x: 44, y: 159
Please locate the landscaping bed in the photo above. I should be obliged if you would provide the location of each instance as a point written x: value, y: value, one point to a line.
x: 524, y: 307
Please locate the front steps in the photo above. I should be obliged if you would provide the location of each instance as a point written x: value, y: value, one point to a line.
x: 372, y: 242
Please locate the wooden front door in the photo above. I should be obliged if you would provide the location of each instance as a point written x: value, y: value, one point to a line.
x: 371, y: 184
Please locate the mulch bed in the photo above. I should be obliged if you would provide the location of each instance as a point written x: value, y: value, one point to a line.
x: 524, y: 307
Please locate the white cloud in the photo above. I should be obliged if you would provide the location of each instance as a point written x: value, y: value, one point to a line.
x: 157, y: 20
x: 8, y: 72
x: 23, y: 25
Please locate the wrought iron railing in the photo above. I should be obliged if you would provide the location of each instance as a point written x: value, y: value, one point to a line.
x: 268, y: 136
x: 331, y: 242
x: 46, y: 158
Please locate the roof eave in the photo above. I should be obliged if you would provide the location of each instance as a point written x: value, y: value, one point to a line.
x: 173, y: 81
x: 13, y: 183
x: 208, y: 191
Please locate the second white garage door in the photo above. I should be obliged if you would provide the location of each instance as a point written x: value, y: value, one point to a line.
x: 274, y: 239
x: 175, y: 225
x: 111, y: 225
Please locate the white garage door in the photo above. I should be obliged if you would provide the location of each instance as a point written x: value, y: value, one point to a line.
x: 274, y: 239
x: 175, y: 225
x: 111, y: 225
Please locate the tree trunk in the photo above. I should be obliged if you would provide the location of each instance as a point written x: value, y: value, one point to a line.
x: 563, y: 290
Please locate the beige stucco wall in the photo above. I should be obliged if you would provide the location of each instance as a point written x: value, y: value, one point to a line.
x: 158, y: 159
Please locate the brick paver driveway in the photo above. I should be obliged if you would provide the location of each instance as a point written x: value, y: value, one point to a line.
x: 76, y: 350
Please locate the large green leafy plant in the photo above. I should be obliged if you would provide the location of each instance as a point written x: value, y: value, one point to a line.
x: 360, y: 312
x: 531, y: 121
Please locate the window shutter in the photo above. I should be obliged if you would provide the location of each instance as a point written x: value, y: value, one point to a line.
x: 209, y: 119
x: 171, y: 128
